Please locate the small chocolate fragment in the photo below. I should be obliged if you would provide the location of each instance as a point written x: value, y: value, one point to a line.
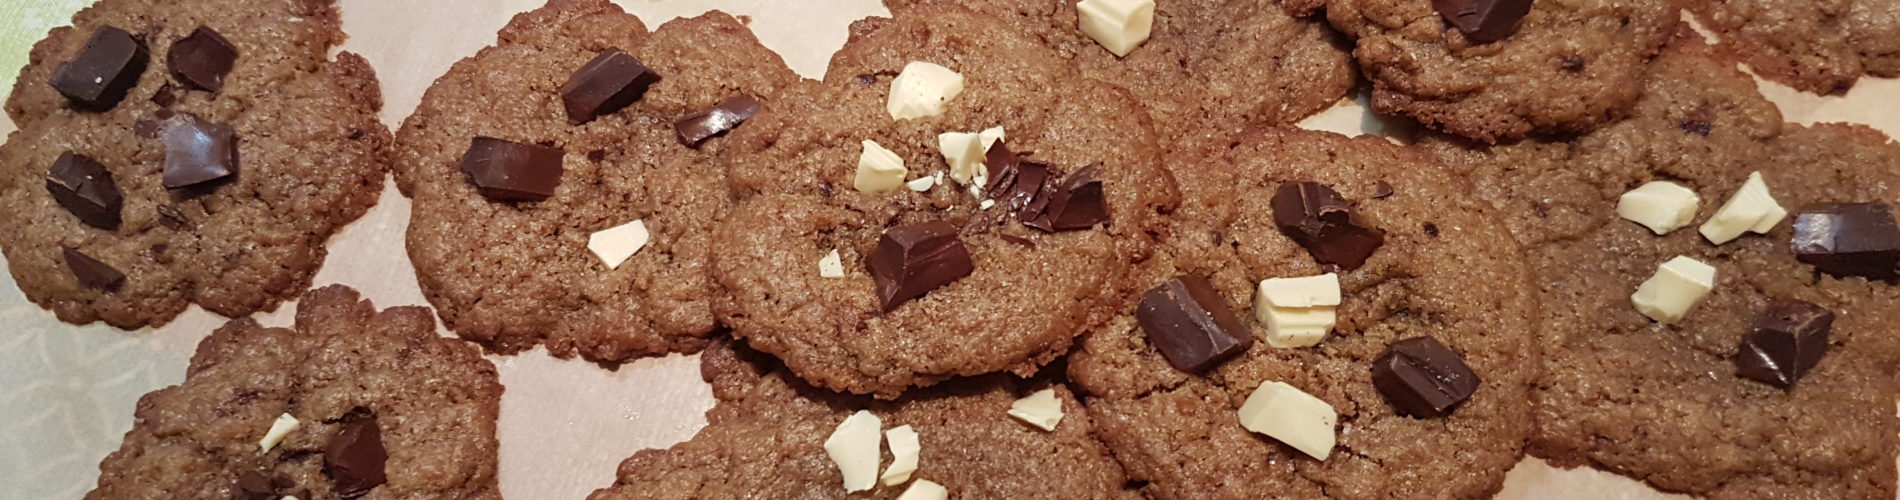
x: 512, y: 171
x: 1317, y: 218
x: 913, y: 260
x: 609, y: 82
x: 1848, y: 239
x: 202, y: 59
x: 1787, y: 340
x: 198, y: 152
x: 1001, y: 164
x: 91, y: 272
x: 103, y: 72
x: 86, y: 189
x: 697, y: 127
x: 1483, y: 21
x: 1189, y: 322
x: 1382, y: 190
x: 354, y: 457
x: 1080, y: 203
x: 1422, y: 378
x: 252, y: 485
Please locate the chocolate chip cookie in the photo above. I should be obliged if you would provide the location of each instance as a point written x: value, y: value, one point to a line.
x: 171, y: 154
x: 1565, y: 66
x: 619, y: 128
x: 1443, y: 273
x: 1673, y: 404
x: 349, y: 402
x: 996, y: 272
x: 765, y: 439
x: 1816, y: 46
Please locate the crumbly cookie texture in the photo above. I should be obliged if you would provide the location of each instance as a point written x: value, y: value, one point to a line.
x: 1664, y: 403
x: 1571, y: 66
x: 435, y: 401
x: 1816, y: 46
x: 1031, y: 292
x: 765, y: 439
x: 512, y: 275
x: 1180, y: 433
x: 311, y: 149
x: 1210, y: 67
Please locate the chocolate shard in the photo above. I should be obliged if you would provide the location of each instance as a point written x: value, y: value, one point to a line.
x: 1483, y: 21
x: 202, y: 59
x: 1080, y: 204
x: 1189, y: 322
x: 696, y: 128
x: 1382, y: 190
x: 914, y: 259
x: 354, y: 457
x: 1422, y: 378
x: 512, y: 171
x: 1786, y: 341
x: 91, y: 272
x: 1026, y: 195
x: 103, y: 72
x: 609, y: 82
x: 1848, y: 239
x: 86, y: 189
x: 1001, y: 164
x: 198, y: 152
x: 1317, y: 218
x: 252, y: 485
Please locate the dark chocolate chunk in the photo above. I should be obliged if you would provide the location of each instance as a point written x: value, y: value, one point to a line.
x: 86, y: 189
x: 1079, y: 204
x: 252, y: 485
x: 103, y: 72
x: 1422, y: 378
x: 913, y: 260
x: 609, y: 82
x: 512, y: 171
x: 1786, y: 341
x: 697, y: 127
x: 1317, y: 218
x: 354, y: 457
x: 198, y: 152
x: 1189, y: 322
x: 202, y: 59
x: 1001, y: 164
x: 91, y: 272
x: 1382, y: 190
x: 1848, y: 239
x: 1483, y: 21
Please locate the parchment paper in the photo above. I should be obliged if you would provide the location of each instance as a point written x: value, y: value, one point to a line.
x: 69, y: 391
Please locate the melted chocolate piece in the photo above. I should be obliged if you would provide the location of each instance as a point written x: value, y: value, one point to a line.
x: 512, y: 171
x: 354, y: 457
x: 86, y: 189
x: 913, y: 260
x: 696, y: 128
x: 1317, y: 218
x: 1848, y: 239
x: 1189, y: 322
x: 1786, y: 341
x: 91, y: 272
x: 1422, y: 378
x: 1483, y: 21
x: 103, y: 72
x: 202, y: 59
x: 609, y: 82
x: 198, y: 152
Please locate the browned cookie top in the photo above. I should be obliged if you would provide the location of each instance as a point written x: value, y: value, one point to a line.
x: 1819, y: 46
x: 1664, y: 403
x: 1031, y: 292
x: 765, y: 439
x: 1445, y: 271
x: 514, y: 274
x: 428, y: 403
x: 1570, y: 65
x: 309, y: 149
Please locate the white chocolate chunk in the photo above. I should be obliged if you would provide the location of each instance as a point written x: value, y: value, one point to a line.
x: 921, y: 184
x: 1291, y: 416
x: 1041, y: 409
x: 924, y: 489
x: 854, y: 447
x: 283, y: 426
x: 986, y: 204
x: 1119, y: 25
x: 1298, y: 312
x: 1677, y: 286
x: 616, y: 244
x: 921, y: 90
x: 1661, y: 206
x: 965, y: 151
x: 879, y: 170
x: 1752, y: 208
x: 904, y: 451
x: 831, y: 266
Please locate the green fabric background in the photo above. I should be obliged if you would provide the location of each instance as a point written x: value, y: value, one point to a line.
x: 27, y: 22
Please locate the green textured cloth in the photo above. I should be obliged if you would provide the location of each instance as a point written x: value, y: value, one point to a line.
x: 27, y: 22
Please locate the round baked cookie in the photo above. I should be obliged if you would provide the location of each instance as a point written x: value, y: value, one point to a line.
x: 1664, y: 403
x: 1209, y: 67
x: 515, y: 274
x: 1446, y: 271
x: 1816, y: 46
x: 1570, y: 66
x: 765, y: 438
x: 1031, y: 291
x: 302, y: 130
x: 375, y: 404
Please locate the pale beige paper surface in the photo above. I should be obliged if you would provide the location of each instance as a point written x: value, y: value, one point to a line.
x: 69, y: 391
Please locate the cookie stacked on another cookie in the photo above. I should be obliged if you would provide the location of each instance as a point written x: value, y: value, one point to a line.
x: 175, y: 153
x: 565, y: 184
